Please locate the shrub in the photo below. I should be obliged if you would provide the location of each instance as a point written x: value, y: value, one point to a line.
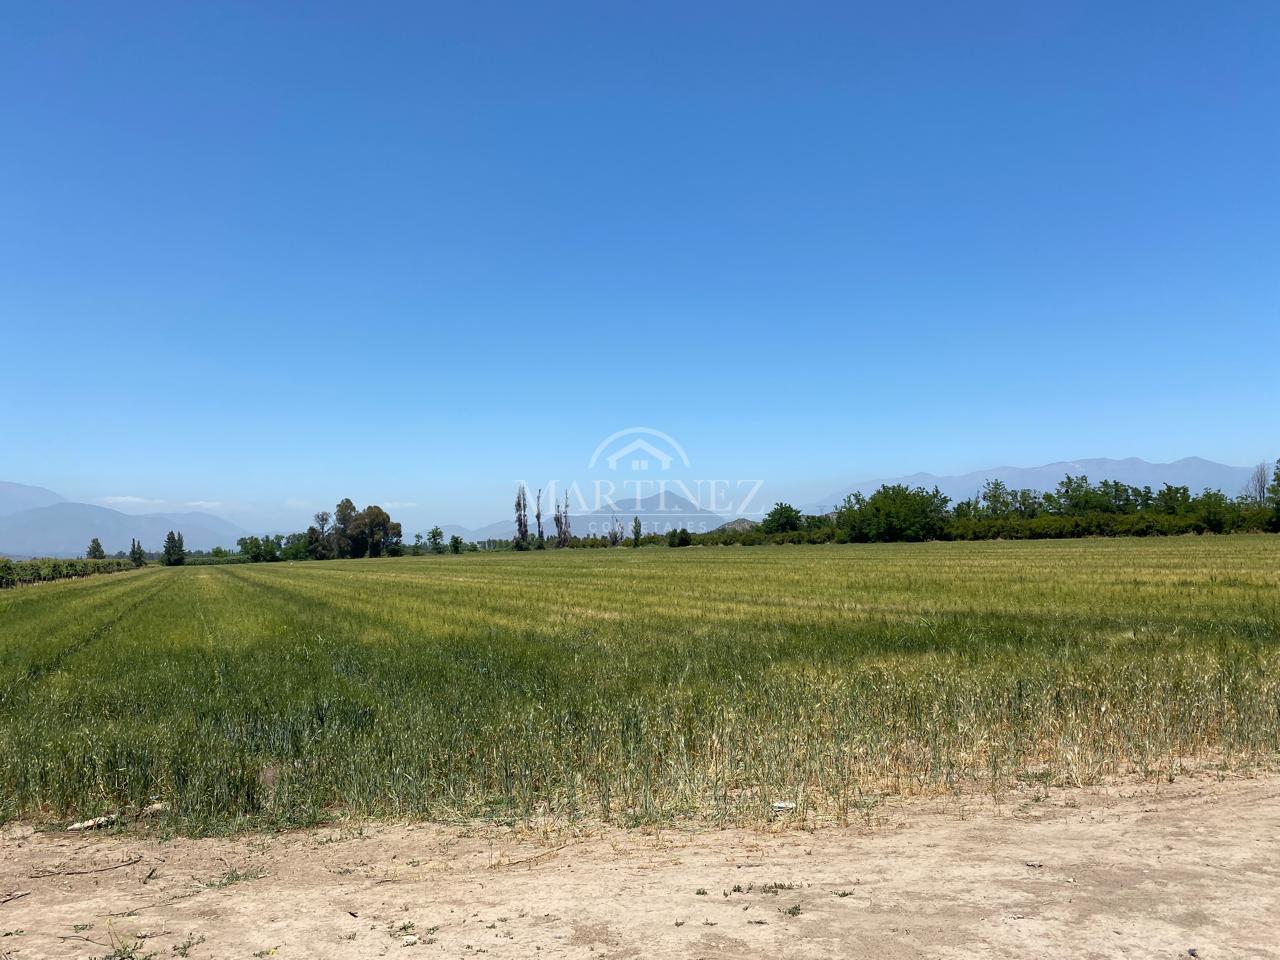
x: 15, y: 572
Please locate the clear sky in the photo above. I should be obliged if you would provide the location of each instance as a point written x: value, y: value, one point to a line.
x: 264, y: 255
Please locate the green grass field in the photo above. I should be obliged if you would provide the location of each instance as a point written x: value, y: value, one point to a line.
x: 634, y: 685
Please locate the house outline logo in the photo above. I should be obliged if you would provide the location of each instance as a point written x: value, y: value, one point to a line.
x: 639, y: 446
x: 648, y: 451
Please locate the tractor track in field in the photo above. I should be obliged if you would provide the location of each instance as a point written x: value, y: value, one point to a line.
x: 36, y: 672
x: 296, y: 599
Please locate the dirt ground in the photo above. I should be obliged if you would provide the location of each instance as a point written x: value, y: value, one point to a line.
x: 1136, y: 870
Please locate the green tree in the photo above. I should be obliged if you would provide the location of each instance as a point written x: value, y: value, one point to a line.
x: 1214, y: 510
x: 1030, y: 503
x: 264, y: 549
x: 95, y: 551
x: 321, y: 538
x: 1076, y: 496
x: 137, y: 554
x: 894, y: 512
x: 1173, y: 500
x: 373, y: 533
x: 174, y: 554
x: 416, y: 549
x: 455, y: 544
x: 295, y: 547
x: 783, y: 518
x: 344, y: 519
x: 996, y: 499
x: 435, y: 540
x: 637, y: 531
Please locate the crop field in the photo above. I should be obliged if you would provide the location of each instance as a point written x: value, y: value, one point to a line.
x: 635, y: 686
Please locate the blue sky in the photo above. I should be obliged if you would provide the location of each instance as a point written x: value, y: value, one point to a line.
x: 267, y: 255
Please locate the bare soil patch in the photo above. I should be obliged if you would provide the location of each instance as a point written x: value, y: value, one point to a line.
x: 1126, y: 870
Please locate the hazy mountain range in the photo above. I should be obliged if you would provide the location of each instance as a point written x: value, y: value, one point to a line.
x: 39, y: 522
x: 1194, y: 472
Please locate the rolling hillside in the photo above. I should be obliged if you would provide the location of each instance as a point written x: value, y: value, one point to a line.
x: 50, y: 526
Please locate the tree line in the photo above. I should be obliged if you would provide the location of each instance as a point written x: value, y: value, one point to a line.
x: 15, y: 572
x: 537, y: 539
x: 899, y: 513
x: 895, y: 512
x: 435, y: 543
x: 1075, y: 508
x: 135, y: 554
x: 346, y: 533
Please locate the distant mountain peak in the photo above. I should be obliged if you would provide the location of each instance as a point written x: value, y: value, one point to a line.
x: 63, y: 528
x: 741, y: 523
x: 15, y: 497
x: 666, y: 501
